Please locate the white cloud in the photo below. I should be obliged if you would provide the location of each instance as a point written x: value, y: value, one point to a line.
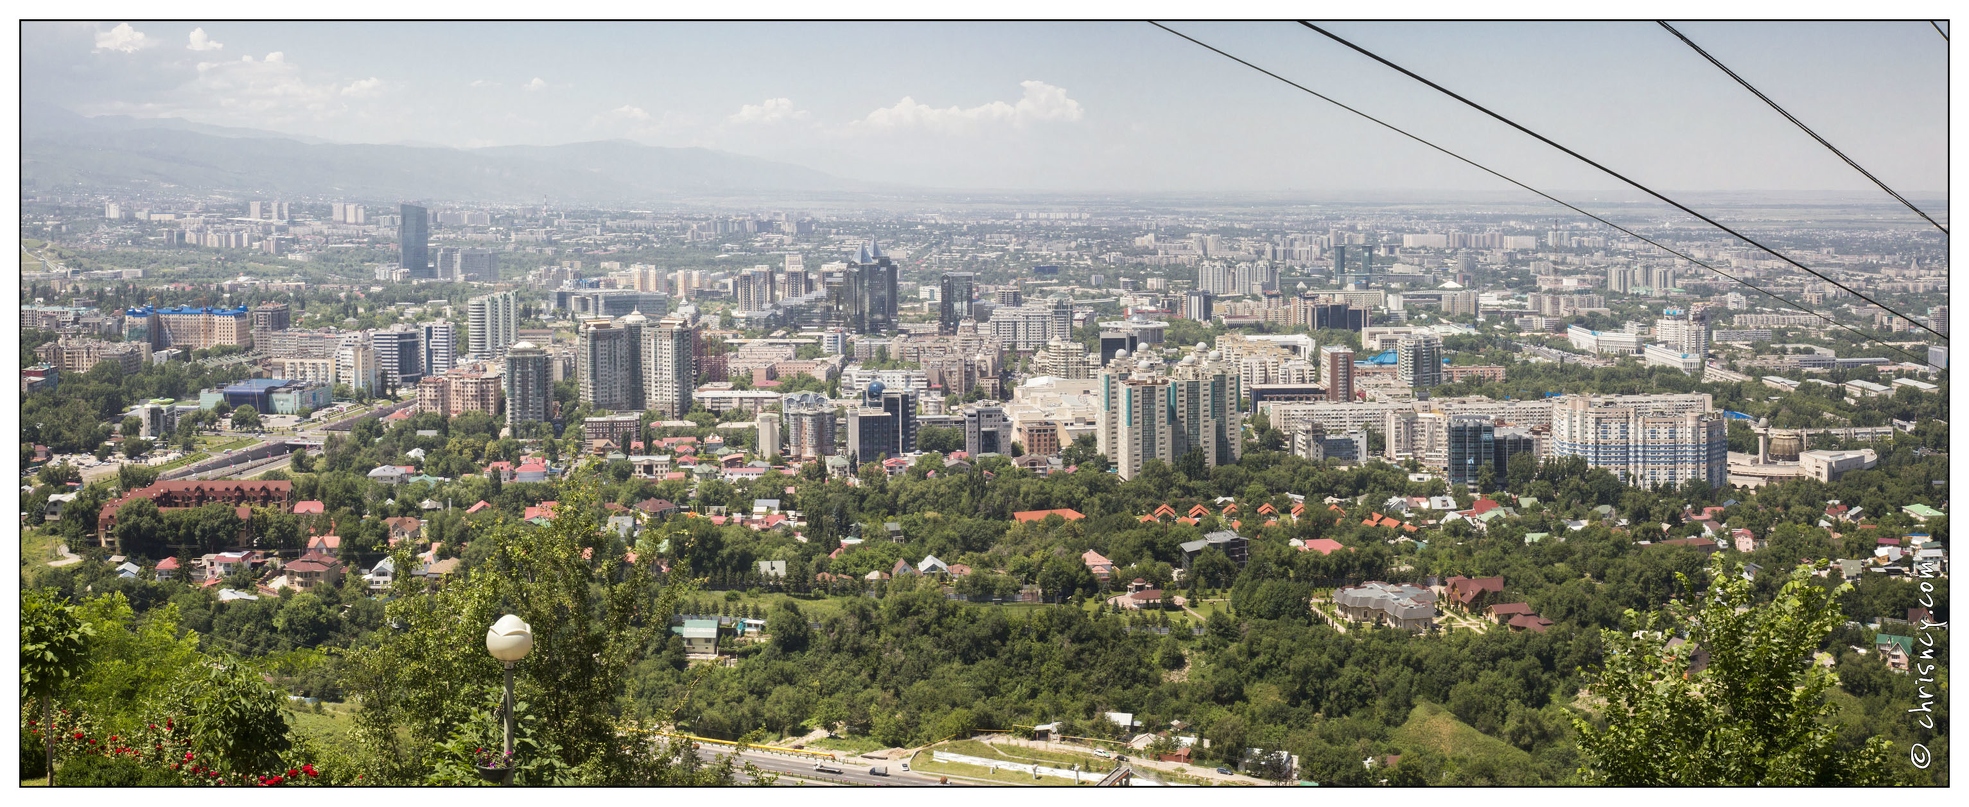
x: 535, y: 84
x: 1041, y: 102
x: 772, y: 110
x: 276, y: 57
x: 484, y: 83
x: 363, y: 87
x: 627, y: 112
x: 199, y: 41
x: 122, y: 38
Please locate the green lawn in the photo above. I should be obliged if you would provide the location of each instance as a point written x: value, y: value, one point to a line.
x: 848, y: 745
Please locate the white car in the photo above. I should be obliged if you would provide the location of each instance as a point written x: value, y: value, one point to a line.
x: 1102, y: 752
x: 905, y: 766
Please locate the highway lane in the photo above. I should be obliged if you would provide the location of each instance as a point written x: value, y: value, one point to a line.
x: 793, y: 769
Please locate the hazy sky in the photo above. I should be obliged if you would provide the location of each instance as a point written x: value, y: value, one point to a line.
x: 1074, y: 107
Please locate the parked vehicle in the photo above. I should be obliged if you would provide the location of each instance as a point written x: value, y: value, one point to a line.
x: 1226, y: 771
x: 878, y: 771
x: 826, y: 768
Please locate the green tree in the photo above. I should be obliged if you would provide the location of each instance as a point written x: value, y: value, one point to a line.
x: 1756, y: 714
x: 235, y: 718
x: 939, y: 439
x: 53, y: 641
x: 246, y: 418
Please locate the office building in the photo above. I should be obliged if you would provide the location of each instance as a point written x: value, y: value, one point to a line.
x: 1470, y: 449
x: 1337, y: 368
x: 492, y: 323
x: 954, y: 300
x: 270, y: 317
x: 862, y: 296
x: 753, y: 289
x: 467, y: 265
x: 809, y: 420
x: 414, y: 241
x: 1591, y: 341
x: 440, y: 346
x: 883, y: 425
x: 986, y: 431
x: 1645, y: 440
x: 669, y: 366
x: 399, y: 355
x: 1419, y: 361
x: 1198, y: 304
x: 529, y: 384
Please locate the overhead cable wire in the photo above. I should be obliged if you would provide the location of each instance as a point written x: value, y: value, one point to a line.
x: 1801, y: 125
x: 1543, y: 194
x: 1622, y: 177
x: 1938, y: 29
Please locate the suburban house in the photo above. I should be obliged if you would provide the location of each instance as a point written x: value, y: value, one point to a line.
x: 1100, y: 566
x: 167, y: 568
x: 388, y: 474
x: 1237, y: 547
x: 403, y: 528
x: 1472, y: 594
x: 1503, y: 612
x: 1398, y: 604
x: 1894, y: 650
x: 700, y: 636
x: 1024, y: 516
x: 313, y: 570
x: 381, y: 575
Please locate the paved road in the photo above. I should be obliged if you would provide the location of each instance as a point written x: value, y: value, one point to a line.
x: 793, y: 770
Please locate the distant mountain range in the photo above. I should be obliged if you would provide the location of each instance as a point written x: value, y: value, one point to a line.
x: 62, y: 149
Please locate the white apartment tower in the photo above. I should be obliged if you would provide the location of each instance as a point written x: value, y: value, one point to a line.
x: 493, y: 323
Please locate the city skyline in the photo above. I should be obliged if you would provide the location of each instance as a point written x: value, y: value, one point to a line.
x: 1058, y: 107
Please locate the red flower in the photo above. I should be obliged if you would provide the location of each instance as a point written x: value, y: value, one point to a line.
x: 188, y: 756
x: 112, y: 738
x: 276, y: 780
x: 292, y: 772
x: 308, y: 769
x: 78, y: 735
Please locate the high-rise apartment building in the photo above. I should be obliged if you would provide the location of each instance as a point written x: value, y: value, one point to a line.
x: 459, y: 391
x: 356, y: 367
x: 954, y: 300
x: 414, y: 240
x: 454, y: 263
x: 753, y: 289
x: 1337, y: 370
x: 1644, y: 440
x: 768, y: 425
x: 610, y: 358
x: 195, y: 328
x: 809, y: 420
x: 492, y: 323
x: 1419, y: 361
x: 529, y: 384
x: 669, y: 366
x: 1149, y: 414
x: 1619, y: 280
x: 440, y: 346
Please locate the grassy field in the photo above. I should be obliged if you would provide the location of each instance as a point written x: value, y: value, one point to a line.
x: 331, y: 725
x: 1433, y: 728
x: 923, y: 763
x: 38, y: 546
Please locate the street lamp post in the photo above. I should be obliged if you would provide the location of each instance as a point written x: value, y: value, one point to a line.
x: 509, y: 640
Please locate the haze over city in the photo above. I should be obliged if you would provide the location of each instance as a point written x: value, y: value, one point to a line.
x: 983, y: 404
x: 1056, y: 107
